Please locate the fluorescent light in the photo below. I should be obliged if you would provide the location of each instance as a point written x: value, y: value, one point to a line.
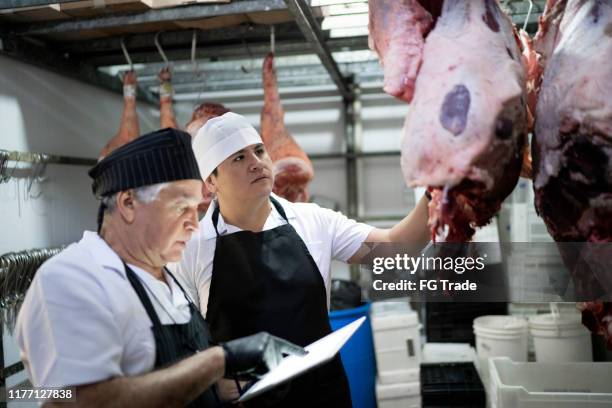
x: 340, y: 9
x: 348, y: 32
x: 317, y: 3
x: 345, y: 21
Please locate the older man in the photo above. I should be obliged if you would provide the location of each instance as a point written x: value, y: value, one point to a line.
x: 106, y: 316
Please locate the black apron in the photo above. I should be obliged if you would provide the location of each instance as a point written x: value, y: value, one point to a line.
x: 268, y: 281
x: 174, y: 342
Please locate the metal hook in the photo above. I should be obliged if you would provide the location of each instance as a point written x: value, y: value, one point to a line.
x: 37, y: 174
x: 160, y: 49
x: 17, y: 160
x: 242, y: 67
x: 528, y: 15
x: 4, y: 159
x: 126, y: 54
x: 194, y: 62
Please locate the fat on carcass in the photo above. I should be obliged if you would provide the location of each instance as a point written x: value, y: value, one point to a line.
x: 397, y: 34
x: 201, y: 114
x: 572, y: 147
x: 292, y: 167
x: 467, y: 124
x: 166, y: 110
x: 129, y: 128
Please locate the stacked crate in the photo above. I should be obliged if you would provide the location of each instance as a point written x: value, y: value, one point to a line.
x: 397, y: 345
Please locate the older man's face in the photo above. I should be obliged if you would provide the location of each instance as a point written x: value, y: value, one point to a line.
x: 167, y: 223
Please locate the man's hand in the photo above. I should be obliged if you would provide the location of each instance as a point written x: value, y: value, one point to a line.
x: 252, y: 356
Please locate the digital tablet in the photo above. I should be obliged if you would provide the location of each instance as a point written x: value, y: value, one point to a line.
x: 319, y: 352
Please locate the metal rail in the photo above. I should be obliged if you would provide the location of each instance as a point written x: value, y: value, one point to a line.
x: 312, y: 32
x: 28, y: 157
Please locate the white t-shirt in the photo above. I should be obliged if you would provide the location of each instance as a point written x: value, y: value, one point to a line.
x: 82, y: 321
x: 327, y: 234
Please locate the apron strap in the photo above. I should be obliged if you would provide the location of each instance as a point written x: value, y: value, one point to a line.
x: 279, y: 208
x: 180, y: 287
x: 215, y: 216
x: 277, y: 205
x: 142, y: 294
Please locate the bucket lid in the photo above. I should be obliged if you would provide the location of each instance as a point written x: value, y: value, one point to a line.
x: 501, y: 322
x: 550, y: 321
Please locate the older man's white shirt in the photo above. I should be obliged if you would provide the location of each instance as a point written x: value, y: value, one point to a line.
x: 82, y: 322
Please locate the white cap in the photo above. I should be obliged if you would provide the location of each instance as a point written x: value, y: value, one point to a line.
x: 221, y: 137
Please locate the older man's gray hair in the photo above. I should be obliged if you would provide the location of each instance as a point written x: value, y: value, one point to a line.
x: 144, y: 194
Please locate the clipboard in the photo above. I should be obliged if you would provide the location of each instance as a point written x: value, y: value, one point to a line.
x: 319, y: 352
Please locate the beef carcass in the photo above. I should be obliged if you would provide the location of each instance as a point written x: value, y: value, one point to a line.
x: 166, y: 111
x: 397, y: 30
x: 201, y: 114
x: 467, y: 125
x: 292, y: 168
x: 128, y: 128
x: 572, y: 148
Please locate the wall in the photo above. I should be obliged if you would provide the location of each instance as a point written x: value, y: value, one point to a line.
x: 47, y: 113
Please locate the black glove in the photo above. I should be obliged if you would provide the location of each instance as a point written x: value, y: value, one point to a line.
x: 250, y: 357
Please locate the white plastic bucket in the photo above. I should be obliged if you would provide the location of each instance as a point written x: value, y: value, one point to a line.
x: 560, y: 338
x: 499, y: 336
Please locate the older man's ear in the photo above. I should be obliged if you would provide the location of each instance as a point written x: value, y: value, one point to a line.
x: 126, y: 203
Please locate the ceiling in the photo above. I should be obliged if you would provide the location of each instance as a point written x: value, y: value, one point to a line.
x: 212, y: 46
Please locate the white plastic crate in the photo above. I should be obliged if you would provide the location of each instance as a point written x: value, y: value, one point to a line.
x: 397, y: 341
x: 395, y: 331
x: 390, y: 363
x: 549, y: 385
x: 398, y: 395
x: 399, y: 376
x: 397, y: 344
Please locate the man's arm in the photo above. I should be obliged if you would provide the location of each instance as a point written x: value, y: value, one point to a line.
x: 413, y: 229
x: 174, y: 386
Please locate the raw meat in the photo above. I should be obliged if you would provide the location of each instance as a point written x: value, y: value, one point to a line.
x: 128, y: 128
x: 201, y: 114
x: 292, y: 168
x: 534, y: 69
x: 166, y: 111
x: 397, y: 31
x: 572, y: 149
x: 467, y: 124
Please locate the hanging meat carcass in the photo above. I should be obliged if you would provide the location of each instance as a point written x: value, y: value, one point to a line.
x: 573, y: 135
x: 572, y: 149
x: 128, y: 128
x: 397, y: 34
x: 467, y: 124
x: 292, y: 168
x: 201, y: 114
x: 166, y: 110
